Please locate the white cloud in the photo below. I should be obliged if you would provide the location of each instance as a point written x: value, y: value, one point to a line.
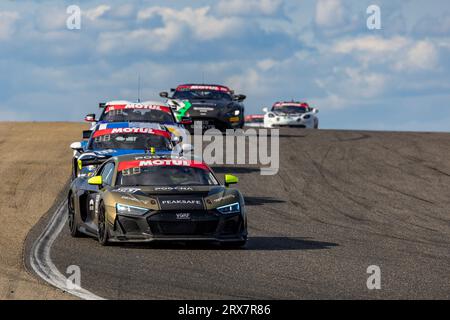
x: 370, y: 44
x: 329, y: 13
x: 421, y: 56
x: 123, y: 42
x: 364, y: 84
x: 7, y: 24
x: 400, y: 53
x: 245, y: 7
x: 349, y: 85
x: 177, y: 25
x: 123, y: 11
x: 266, y: 64
x: 49, y: 19
x: 199, y: 22
x: 97, y: 12
x: 248, y: 81
x: 330, y: 101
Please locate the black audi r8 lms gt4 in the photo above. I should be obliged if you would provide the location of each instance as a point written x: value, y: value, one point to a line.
x: 142, y: 198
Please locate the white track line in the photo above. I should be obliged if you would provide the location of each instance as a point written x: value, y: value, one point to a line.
x: 40, y: 256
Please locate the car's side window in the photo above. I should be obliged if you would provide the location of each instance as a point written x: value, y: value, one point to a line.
x: 107, y: 173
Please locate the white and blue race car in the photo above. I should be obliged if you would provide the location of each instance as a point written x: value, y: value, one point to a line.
x: 118, y: 138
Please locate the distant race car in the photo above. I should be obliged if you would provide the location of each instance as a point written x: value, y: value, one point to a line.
x: 291, y: 114
x: 113, y: 139
x: 148, y: 112
x: 142, y: 198
x: 254, y: 120
x: 208, y: 106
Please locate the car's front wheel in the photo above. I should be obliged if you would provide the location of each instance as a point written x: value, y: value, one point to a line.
x: 103, y: 234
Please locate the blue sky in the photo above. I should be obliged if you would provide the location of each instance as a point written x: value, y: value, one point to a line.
x: 396, y: 78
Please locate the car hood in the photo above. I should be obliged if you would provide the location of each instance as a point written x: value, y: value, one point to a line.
x: 210, y: 107
x: 211, y: 103
x: 175, y: 198
x: 284, y: 114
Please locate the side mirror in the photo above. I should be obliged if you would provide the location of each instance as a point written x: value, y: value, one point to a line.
x: 186, y: 120
x: 240, y: 97
x: 265, y: 109
x: 164, y: 94
x: 172, y: 89
x: 90, y: 118
x: 102, y: 105
x: 187, y: 147
x: 96, y: 181
x: 230, y: 179
x: 87, y: 134
x: 76, y: 146
x: 316, y: 110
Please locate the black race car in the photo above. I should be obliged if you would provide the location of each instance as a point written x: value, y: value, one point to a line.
x: 208, y: 106
x: 142, y: 198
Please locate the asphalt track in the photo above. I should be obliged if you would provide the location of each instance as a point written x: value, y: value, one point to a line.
x: 342, y: 201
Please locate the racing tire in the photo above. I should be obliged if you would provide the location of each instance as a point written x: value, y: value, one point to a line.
x: 103, y: 234
x: 316, y: 125
x: 73, y: 226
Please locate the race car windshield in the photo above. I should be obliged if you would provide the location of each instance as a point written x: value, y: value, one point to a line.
x: 130, y: 141
x: 201, y: 95
x: 290, y: 109
x: 165, y: 176
x: 137, y: 115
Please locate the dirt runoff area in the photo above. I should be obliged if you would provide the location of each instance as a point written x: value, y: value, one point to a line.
x: 34, y: 167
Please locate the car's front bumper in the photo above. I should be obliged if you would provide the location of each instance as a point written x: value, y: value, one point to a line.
x: 164, y: 226
x: 221, y: 123
x: 290, y: 121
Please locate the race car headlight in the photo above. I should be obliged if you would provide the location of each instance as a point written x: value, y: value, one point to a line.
x: 271, y: 115
x: 233, y: 112
x: 230, y: 208
x: 130, y: 210
x: 306, y: 117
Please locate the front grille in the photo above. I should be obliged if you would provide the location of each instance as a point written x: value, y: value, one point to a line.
x: 200, y: 223
x: 200, y: 228
x: 208, y: 123
x: 204, y: 120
